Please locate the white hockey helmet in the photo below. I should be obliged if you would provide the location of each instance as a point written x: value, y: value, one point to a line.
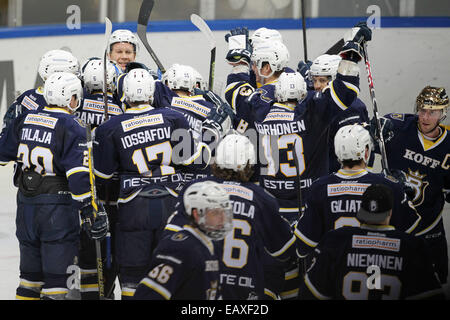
x: 234, y: 152
x: 92, y: 75
x: 264, y: 34
x: 290, y: 86
x: 275, y: 53
x: 350, y: 143
x: 180, y: 77
x: 200, y: 81
x: 123, y: 35
x: 212, y: 203
x: 325, y: 65
x: 139, y: 86
x: 58, y: 61
x: 60, y: 87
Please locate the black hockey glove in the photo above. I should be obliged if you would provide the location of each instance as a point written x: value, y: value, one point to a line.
x: 353, y: 48
x: 304, y: 67
x: 239, y: 46
x: 12, y: 113
x: 361, y: 33
x: 408, y: 187
x: 96, y: 228
x: 386, y: 128
x: 219, y: 119
x: 100, y: 226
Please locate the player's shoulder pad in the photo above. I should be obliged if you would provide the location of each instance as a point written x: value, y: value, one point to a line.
x: 396, y: 116
x: 179, y: 236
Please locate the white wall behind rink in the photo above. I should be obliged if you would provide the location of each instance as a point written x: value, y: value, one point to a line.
x: 403, y: 60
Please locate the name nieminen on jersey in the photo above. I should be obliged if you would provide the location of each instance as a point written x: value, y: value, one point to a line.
x: 364, y: 260
x: 30, y: 134
x: 145, y: 136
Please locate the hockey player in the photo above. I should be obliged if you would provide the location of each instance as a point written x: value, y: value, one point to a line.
x: 50, y: 147
x: 122, y: 47
x: 92, y: 113
x: 92, y: 109
x: 181, y: 81
x: 142, y: 146
x: 259, y: 233
x: 267, y: 60
x: 420, y: 148
x: 33, y: 99
x: 336, y: 198
x: 321, y: 72
x: 185, y: 265
x: 371, y: 262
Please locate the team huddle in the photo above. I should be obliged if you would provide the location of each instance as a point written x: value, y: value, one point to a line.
x: 265, y: 193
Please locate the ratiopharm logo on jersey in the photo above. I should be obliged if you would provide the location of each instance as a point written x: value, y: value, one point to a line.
x: 371, y: 242
x: 340, y: 189
x: 48, y: 122
x: 150, y: 120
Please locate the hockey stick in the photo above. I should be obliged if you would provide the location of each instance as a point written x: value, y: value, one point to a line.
x: 204, y: 28
x: 305, y: 51
x: 384, y: 163
x: 142, y: 23
x: 336, y: 48
x: 108, y: 30
x: 98, y: 252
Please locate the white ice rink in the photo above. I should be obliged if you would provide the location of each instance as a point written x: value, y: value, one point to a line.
x: 9, y: 247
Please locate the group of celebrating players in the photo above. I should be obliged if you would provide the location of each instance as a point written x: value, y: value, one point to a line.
x: 265, y: 194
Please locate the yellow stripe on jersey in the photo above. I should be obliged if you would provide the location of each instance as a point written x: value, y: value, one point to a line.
x: 335, y: 97
x: 313, y: 290
x: 156, y: 287
x: 305, y: 239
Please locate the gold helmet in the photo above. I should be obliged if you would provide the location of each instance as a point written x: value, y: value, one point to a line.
x: 433, y: 98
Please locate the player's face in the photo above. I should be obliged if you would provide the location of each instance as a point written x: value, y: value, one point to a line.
x: 73, y: 104
x: 429, y: 120
x: 215, y: 218
x: 320, y: 82
x: 122, y: 53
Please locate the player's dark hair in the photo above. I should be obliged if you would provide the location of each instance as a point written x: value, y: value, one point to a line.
x: 231, y: 175
x: 352, y: 163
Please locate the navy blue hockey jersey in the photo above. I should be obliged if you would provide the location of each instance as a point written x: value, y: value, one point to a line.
x: 92, y: 110
x: 257, y: 227
x: 51, y: 142
x: 32, y: 99
x: 427, y: 165
x: 146, y: 146
x: 184, y: 266
x: 335, y: 199
x: 285, y: 131
x: 370, y: 263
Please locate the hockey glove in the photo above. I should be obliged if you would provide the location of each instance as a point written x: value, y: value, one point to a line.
x: 12, y: 113
x: 100, y: 227
x: 304, y: 67
x: 408, y: 187
x: 239, y: 46
x: 96, y: 228
x: 386, y: 129
x: 352, y: 51
x: 353, y: 48
x: 219, y: 119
